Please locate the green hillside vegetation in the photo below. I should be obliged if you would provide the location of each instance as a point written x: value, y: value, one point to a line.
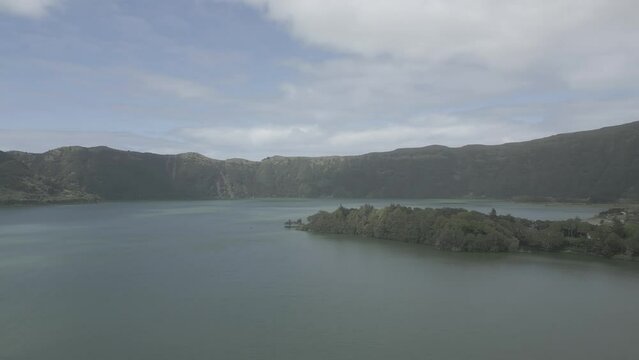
x: 471, y: 231
x: 597, y: 166
x: 19, y: 184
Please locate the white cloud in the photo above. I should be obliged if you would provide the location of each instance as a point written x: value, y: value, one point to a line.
x: 605, y: 71
x: 254, y: 142
x: 493, y: 32
x: 520, y: 69
x: 402, y: 73
x: 257, y: 142
x: 456, y: 133
x: 253, y: 136
x: 28, y: 8
x: 349, y: 89
x: 472, y: 45
x: 181, y: 88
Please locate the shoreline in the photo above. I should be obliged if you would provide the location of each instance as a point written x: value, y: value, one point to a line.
x: 79, y: 201
x: 612, y: 233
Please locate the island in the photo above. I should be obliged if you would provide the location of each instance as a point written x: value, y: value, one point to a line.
x: 613, y: 233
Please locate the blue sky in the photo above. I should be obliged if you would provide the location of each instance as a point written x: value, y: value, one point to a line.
x: 254, y: 78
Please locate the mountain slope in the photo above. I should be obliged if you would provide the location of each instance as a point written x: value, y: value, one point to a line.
x: 597, y: 165
x: 19, y: 184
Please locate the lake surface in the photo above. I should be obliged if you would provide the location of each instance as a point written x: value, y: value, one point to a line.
x: 225, y: 280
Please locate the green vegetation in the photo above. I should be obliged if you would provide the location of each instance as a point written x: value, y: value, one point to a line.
x: 598, y: 166
x: 20, y: 185
x: 462, y: 230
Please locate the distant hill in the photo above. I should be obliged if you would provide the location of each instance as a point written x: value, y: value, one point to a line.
x: 599, y: 166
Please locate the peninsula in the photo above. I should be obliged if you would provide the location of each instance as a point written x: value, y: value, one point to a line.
x: 613, y: 233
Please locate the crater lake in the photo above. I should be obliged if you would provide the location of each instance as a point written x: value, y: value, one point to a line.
x: 226, y: 280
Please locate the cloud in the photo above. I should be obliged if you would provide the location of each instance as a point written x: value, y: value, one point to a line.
x: 253, y: 141
x: 464, y: 49
x: 348, y: 89
x: 388, y: 74
x: 521, y: 68
x: 455, y: 132
x: 178, y: 87
x: 257, y: 142
x: 28, y: 8
x: 493, y: 32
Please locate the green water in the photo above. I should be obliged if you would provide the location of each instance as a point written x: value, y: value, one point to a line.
x: 225, y: 280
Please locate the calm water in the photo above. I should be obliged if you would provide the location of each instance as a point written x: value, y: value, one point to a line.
x: 225, y: 280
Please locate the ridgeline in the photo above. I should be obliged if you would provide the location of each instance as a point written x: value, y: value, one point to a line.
x: 591, y: 166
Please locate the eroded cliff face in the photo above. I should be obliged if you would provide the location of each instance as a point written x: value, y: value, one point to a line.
x: 125, y: 175
x: 599, y: 165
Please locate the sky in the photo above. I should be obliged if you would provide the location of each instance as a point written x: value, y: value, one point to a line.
x: 256, y: 78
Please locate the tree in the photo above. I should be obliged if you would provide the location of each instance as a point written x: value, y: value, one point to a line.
x: 613, y: 245
x: 618, y: 228
x: 632, y: 245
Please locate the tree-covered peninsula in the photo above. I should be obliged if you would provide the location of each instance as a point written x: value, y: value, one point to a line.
x: 613, y: 234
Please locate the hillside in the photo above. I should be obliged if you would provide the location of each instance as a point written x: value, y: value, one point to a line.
x: 598, y: 165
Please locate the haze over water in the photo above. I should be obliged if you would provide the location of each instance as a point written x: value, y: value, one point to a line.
x: 225, y: 280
